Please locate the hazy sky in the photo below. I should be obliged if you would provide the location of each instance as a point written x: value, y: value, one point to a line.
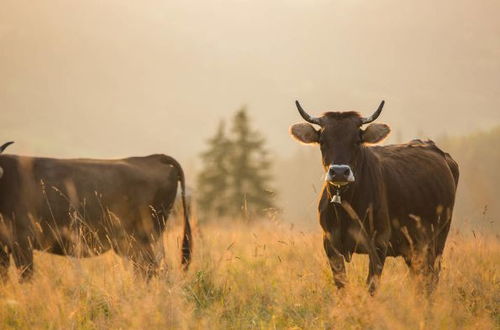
x: 115, y: 78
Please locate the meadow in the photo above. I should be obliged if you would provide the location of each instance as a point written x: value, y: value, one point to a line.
x: 268, y: 275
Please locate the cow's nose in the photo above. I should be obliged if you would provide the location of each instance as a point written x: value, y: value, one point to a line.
x: 340, y: 173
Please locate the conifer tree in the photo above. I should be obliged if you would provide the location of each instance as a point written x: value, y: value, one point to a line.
x: 214, y: 178
x: 249, y: 193
x: 234, y: 181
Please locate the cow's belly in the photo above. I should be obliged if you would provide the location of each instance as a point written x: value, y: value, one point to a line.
x: 95, y: 227
x: 77, y: 250
x: 352, y: 241
x: 75, y: 242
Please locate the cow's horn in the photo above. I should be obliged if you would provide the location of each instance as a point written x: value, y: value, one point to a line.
x: 5, y: 145
x: 306, y: 116
x: 375, y: 114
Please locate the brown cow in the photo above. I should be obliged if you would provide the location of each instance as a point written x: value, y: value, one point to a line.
x: 85, y: 207
x: 394, y: 200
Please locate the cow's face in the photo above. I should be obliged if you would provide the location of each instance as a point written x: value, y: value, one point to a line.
x: 2, y: 148
x: 341, y: 138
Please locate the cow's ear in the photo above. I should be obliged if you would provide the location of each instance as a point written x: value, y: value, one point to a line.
x: 375, y: 133
x: 305, y: 133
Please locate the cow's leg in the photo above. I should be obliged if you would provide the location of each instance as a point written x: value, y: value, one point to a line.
x: 160, y: 255
x: 144, y: 265
x: 439, y: 243
x: 336, y: 260
x: 432, y: 267
x: 145, y: 262
x: 141, y: 253
x: 22, y: 251
x: 330, y: 221
x: 159, y: 218
x: 377, y: 260
x: 425, y: 262
x: 424, y: 267
x: 4, y: 262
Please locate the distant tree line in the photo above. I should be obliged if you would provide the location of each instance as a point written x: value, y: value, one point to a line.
x: 478, y: 156
x: 235, y: 178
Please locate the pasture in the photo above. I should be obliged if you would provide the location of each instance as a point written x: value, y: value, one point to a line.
x: 269, y: 275
x: 115, y: 104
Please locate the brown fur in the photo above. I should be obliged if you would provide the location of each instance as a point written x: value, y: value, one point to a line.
x: 341, y: 115
x: 400, y: 204
x: 84, y: 207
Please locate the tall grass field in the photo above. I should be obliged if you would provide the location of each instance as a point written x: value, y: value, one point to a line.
x: 268, y: 276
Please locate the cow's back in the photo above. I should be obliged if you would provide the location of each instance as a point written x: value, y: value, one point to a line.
x: 420, y: 181
x: 100, y: 194
x: 122, y: 186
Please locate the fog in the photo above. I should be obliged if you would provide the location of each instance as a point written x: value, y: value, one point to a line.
x: 117, y: 78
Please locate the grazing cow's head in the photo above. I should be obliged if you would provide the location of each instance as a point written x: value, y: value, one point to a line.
x: 341, y: 138
x: 2, y: 148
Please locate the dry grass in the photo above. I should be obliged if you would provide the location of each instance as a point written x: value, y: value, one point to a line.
x: 263, y: 276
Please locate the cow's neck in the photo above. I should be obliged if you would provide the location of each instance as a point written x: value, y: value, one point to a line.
x: 365, y: 189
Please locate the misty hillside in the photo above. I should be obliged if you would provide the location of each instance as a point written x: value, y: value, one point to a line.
x: 478, y: 156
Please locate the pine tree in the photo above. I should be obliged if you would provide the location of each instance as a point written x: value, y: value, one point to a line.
x: 213, y: 180
x: 249, y: 193
x: 235, y: 178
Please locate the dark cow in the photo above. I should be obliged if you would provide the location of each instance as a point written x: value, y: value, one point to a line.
x: 394, y: 200
x: 85, y: 207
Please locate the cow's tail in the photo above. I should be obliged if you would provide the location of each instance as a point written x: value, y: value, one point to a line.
x: 187, y: 243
